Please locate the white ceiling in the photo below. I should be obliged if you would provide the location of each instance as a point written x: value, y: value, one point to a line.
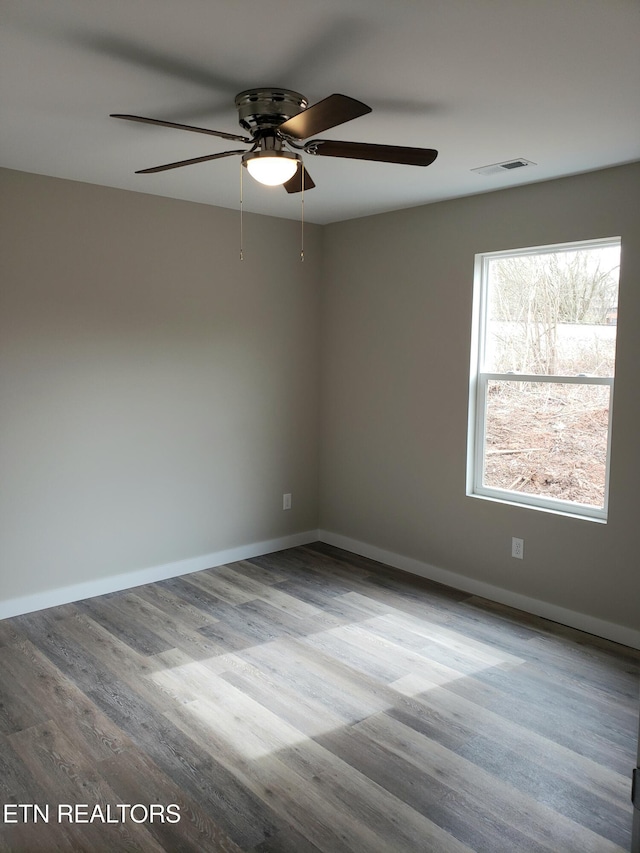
x: 483, y: 81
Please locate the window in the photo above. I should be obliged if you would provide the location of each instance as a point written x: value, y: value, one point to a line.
x: 542, y: 373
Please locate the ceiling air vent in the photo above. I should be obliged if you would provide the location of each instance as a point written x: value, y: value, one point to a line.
x: 507, y: 166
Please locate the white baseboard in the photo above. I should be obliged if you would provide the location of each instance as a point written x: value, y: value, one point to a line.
x: 127, y: 580
x: 590, y: 624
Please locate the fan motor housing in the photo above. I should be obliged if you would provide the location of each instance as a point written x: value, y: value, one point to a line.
x: 260, y: 109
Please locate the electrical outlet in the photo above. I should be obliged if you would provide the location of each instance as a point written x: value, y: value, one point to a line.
x: 286, y: 501
x: 517, y: 548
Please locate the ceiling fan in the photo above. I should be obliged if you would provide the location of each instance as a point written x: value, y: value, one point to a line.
x: 278, y: 121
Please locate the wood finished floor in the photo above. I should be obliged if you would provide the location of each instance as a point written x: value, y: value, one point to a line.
x: 314, y: 700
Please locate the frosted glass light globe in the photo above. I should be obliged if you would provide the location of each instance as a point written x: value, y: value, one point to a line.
x: 272, y: 167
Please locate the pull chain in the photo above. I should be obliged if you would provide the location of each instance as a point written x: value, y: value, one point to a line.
x: 302, y: 216
x: 241, y: 255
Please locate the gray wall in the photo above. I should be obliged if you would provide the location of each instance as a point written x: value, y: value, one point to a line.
x: 158, y: 396
x: 396, y: 321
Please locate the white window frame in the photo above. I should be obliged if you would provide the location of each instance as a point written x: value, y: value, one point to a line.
x: 479, y: 382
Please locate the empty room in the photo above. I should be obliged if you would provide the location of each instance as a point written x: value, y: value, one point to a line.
x: 319, y: 426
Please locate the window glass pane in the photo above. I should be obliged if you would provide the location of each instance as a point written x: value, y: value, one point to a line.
x: 553, y: 312
x: 547, y: 439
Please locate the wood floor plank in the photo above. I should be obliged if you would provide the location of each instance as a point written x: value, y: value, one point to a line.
x: 589, y: 643
x: 412, y: 587
x: 67, y: 776
x: 117, y: 662
x: 80, y: 664
x: 17, y: 783
x: 574, y: 797
x: 263, y: 623
x: 174, y: 606
x: 272, y: 782
x: 357, y: 647
x: 10, y: 632
x: 239, y: 579
x: 304, y: 561
x: 308, y: 716
x: 312, y: 700
x: 47, y: 689
x: 559, y: 727
x: 304, y: 782
x: 596, y: 669
x: 463, y: 721
x: 136, y: 779
x: 214, y: 582
x: 170, y: 630
x: 612, y: 674
x: 269, y: 593
x: 454, y: 641
x: 111, y: 613
x: 462, y: 816
x: 17, y: 710
x: 287, y: 840
x: 203, y: 778
x: 196, y: 596
x: 257, y: 573
x: 344, y: 690
x: 597, y: 714
x: 394, y: 821
x: 340, y: 606
x: 525, y: 813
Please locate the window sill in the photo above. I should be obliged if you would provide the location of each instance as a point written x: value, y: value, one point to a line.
x: 567, y: 513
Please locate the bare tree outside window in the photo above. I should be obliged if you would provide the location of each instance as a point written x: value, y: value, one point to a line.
x: 549, y: 313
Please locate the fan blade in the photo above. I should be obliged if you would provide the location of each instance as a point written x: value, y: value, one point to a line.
x: 365, y: 151
x: 330, y: 112
x: 182, y: 127
x: 294, y: 184
x: 188, y: 162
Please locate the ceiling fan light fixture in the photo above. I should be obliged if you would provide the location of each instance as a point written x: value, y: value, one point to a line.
x: 271, y: 167
x: 279, y: 120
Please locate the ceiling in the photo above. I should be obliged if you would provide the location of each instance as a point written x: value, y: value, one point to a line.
x: 483, y: 81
